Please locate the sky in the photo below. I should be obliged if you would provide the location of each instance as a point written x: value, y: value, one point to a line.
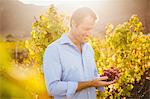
x: 48, y: 2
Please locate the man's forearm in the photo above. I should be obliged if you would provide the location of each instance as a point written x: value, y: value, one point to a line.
x: 83, y: 85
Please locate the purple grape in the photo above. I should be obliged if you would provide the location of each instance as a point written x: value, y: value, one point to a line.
x: 111, y: 73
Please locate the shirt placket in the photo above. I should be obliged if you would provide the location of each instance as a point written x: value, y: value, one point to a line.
x: 83, y: 55
x: 83, y: 63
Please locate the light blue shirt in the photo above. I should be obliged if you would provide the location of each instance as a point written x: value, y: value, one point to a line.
x: 64, y: 66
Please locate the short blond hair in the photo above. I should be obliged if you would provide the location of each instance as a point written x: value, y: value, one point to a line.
x: 79, y: 14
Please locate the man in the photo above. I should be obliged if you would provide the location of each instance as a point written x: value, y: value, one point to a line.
x: 69, y: 66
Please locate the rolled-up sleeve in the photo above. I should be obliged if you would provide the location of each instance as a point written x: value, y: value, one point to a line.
x: 52, y: 70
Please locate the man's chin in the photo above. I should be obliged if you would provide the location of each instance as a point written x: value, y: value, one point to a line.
x: 86, y: 40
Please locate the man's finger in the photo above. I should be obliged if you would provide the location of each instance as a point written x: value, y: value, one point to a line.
x: 103, y: 78
x: 111, y: 82
x: 106, y: 83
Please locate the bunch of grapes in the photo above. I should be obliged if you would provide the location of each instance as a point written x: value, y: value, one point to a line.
x: 111, y: 73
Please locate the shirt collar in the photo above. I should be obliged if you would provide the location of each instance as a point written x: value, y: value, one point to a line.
x: 66, y: 40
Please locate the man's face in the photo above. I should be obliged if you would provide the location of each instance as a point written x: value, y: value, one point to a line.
x: 84, y: 29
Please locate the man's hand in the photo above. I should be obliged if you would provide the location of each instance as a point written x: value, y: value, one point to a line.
x: 99, y: 82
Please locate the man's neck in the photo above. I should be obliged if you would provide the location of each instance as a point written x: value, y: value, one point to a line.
x: 75, y: 41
